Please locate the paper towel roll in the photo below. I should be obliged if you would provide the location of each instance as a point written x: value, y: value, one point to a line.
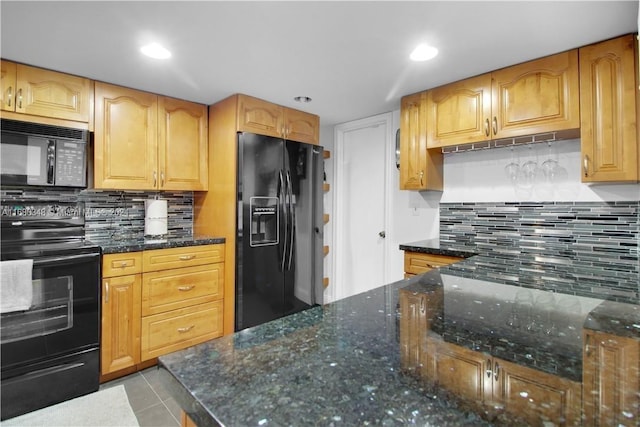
x: 155, y: 219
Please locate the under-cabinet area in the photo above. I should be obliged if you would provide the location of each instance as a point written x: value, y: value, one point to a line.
x: 158, y: 301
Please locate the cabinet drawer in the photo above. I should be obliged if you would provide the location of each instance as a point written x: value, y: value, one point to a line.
x: 167, y: 332
x: 121, y: 264
x: 172, y: 289
x: 417, y: 263
x: 164, y: 259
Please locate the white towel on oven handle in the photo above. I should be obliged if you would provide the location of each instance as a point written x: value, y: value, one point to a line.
x: 16, y: 285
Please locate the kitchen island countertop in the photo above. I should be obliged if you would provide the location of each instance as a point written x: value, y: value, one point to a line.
x: 340, y: 364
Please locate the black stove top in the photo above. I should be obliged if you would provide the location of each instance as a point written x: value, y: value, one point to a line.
x: 43, y: 230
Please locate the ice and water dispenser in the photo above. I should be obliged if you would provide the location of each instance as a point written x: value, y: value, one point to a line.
x: 264, y: 221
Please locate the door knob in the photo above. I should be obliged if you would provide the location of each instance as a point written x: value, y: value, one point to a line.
x: 382, y: 234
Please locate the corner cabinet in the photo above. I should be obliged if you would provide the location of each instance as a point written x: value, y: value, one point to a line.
x: 264, y: 118
x: 420, y: 169
x: 608, y: 108
x: 611, y: 379
x: 148, y: 142
x: 44, y: 94
x: 534, y: 97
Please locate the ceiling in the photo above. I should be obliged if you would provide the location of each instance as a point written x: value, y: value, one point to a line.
x: 351, y: 58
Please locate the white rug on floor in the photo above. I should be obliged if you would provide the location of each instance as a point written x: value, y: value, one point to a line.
x: 104, y: 408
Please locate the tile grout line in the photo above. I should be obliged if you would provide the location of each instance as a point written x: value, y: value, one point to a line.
x: 159, y: 398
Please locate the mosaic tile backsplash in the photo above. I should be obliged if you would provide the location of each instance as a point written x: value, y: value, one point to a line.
x: 115, y: 215
x: 595, y: 239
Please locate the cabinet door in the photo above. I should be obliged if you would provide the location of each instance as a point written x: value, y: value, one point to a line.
x: 463, y: 372
x: 301, y: 126
x: 52, y: 94
x: 260, y: 117
x: 413, y: 330
x: 182, y: 145
x: 125, y: 139
x: 8, y: 85
x: 120, y: 333
x: 609, y: 137
x: 459, y: 113
x: 536, y: 396
x: 611, y: 380
x: 536, y: 96
x: 420, y: 169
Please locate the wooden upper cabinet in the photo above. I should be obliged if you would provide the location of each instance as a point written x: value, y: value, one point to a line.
x: 264, y: 118
x: 259, y: 116
x: 8, y: 79
x: 420, y: 169
x: 125, y: 154
x: 611, y: 379
x: 535, y: 97
x: 182, y: 145
x: 45, y: 93
x: 459, y: 113
x: 147, y: 142
x: 301, y: 127
x: 609, y: 137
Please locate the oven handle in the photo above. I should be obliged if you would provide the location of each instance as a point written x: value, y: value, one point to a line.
x: 64, y: 259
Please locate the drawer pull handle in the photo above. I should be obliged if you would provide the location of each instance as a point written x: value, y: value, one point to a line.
x: 187, y: 329
x: 123, y: 264
x: 187, y: 257
x: 488, y: 371
x: 186, y: 288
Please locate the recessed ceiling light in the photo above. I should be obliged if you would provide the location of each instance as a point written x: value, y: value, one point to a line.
x: 155, y: 50
x: 423, y: 52
x: 302, y: 99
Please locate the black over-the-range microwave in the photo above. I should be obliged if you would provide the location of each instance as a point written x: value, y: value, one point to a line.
x: 42, y: 155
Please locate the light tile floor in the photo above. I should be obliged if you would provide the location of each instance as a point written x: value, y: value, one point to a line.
x: 150, y: 402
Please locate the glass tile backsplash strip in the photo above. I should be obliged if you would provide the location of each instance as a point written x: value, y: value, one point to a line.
x: 115, y: 215
x: 592, y: 240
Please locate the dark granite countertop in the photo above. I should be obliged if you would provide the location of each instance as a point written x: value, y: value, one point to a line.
x: 333, y: 365
x: 135, y: 245
x: 340, y: 363
x: 434, y: 247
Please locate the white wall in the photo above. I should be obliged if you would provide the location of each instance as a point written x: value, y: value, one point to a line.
x: 479, y: 176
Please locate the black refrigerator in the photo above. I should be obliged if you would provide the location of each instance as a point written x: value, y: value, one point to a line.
x: 279, y: 228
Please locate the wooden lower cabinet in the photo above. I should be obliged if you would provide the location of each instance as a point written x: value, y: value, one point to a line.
x: 173, y: 330
x: 536, y: 397
x: 611, y: 380
x: 151, y: 308
x: 120, y: 335
x: 418, y: 262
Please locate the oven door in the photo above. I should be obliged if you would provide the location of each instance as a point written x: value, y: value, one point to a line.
x: 64, y: 316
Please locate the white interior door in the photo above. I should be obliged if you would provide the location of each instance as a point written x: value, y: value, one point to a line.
x: 360, y: 205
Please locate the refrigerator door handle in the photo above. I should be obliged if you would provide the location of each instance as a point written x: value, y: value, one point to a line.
x: 291, y: 221
x: 282, y: 198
